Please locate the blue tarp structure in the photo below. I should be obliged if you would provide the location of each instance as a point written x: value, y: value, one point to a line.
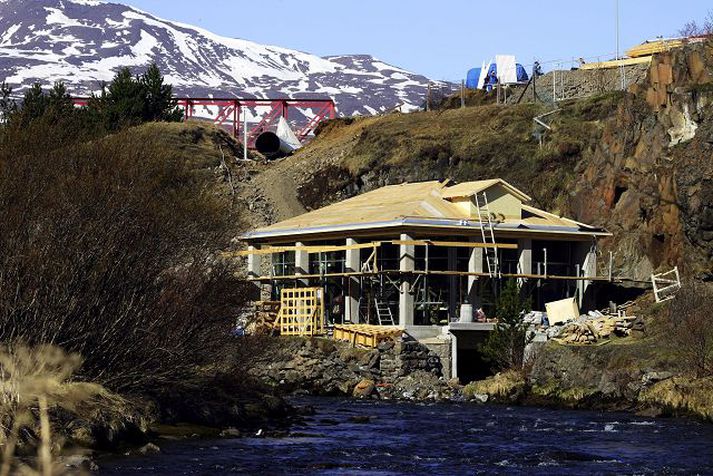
x: 471, y: 81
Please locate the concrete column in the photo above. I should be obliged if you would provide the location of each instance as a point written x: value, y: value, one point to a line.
x: 407, y: 262
x: 352, y: 264
x: 454, y: 356
x: 524, y: 258
x: 255, y: 271
x: 475, y: 265
x: 453, y: 311
x: 301, y: 263
x: 254, y: 263
x: 587, y: 260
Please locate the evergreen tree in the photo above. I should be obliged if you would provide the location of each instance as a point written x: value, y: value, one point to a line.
x: 130, y: 100
x: 59, y: 102
x: 505, y: 346
x: 34, y: 104
x: 159, y: 104
x: 7, y: 104
x: 123, y: 101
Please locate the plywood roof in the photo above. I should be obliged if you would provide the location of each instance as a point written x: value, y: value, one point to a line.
x: 468, y: 189
x: 421, y: 201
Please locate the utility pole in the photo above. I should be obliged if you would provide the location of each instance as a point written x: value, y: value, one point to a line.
x: 428, y: 98
x: 245, y: 134
x: 462, y: 93
x: 618, y: 56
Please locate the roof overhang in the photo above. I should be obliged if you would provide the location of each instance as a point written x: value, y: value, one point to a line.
x: 461, y: 225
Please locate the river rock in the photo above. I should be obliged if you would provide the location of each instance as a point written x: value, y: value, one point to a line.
x: 80, y: 462
x: 652, y: 377
x: 479, y: 398
x: 149, y: 448
x: 230, y: 433
x: 364, y: 389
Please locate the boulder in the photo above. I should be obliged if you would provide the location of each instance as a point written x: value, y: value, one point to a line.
x: 364, y: 389
x: 230, y: 433
x: 149, y: 448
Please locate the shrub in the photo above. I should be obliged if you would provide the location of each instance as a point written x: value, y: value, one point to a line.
x: 689, y: 329
x: 106, y: 250
x: 505, y: 346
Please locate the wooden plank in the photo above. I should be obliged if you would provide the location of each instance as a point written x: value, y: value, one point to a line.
x: 267, y: 250
x: 435, y: 273
x: 455, y: 244
x: 301, y: 312
x: 616, y: 63
x: 364, y: 334
x: 650, y: 48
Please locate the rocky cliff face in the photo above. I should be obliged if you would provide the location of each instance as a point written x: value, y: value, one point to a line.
x: 649, y: 180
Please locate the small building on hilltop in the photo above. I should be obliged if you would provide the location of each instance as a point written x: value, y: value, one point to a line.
x: 427, y: 257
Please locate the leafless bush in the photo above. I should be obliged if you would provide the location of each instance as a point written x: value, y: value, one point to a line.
x: 692, y: 28
x: 689, y: 330
x: 106, y: 251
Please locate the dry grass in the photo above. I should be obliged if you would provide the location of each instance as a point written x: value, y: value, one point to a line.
x: 33, y: 383
x: 464, y: 144
x: 682, y: 395
x: 501, y: 386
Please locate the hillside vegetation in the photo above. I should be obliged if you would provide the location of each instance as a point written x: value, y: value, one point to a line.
x: 111, y: 231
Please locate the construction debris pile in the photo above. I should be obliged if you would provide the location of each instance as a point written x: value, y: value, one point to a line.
x: 591, y: 328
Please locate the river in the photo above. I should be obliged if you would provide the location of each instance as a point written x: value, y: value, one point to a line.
x: 390, y: 438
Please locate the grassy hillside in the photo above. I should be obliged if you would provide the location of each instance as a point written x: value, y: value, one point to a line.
x: 358, y: 154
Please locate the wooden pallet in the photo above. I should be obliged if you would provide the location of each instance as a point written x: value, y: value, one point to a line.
x: 366, y: 335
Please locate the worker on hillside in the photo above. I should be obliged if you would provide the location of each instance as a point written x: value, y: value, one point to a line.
x: 536, y: 69
x: 491, y: 80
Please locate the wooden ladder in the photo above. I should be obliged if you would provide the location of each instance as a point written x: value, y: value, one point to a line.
x: 383, y: 313
x: 491, y: 252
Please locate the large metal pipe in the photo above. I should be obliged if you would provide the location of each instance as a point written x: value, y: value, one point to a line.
x: 272, y: 146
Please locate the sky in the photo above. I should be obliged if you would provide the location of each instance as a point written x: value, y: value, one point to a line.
x: 441, y: 39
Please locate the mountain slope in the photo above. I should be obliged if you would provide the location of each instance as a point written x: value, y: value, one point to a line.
x: 83, y: 42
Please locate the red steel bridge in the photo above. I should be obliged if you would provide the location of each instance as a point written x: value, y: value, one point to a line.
x: 229, y: 113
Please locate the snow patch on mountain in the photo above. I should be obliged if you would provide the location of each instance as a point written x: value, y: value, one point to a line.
x: 84, y: 43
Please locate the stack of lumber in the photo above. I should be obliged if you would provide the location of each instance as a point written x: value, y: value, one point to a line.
x: 366, y: 335
x: 649, y: 48
x: 590, y: 329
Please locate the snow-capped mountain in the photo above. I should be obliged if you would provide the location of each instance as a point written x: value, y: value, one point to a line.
x: 84, y: 42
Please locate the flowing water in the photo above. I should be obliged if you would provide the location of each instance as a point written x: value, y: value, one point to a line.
x: 383, y: 438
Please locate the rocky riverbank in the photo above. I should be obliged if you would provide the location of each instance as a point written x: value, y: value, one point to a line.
x: 86, y: 421
x: 635, y: 374
x: 395, y: 370
x: 620, y: 376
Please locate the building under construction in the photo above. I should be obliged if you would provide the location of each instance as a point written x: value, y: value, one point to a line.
x: 425, y: 258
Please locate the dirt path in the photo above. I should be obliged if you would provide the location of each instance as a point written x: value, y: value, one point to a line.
x: 278, y: 187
